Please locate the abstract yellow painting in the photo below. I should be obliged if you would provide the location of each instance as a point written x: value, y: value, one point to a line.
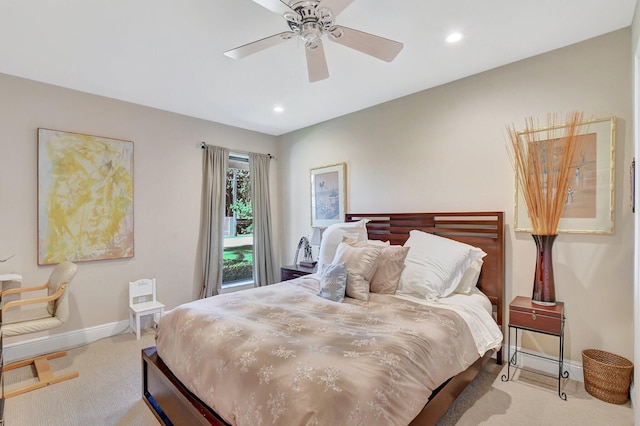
x: 85, y: 197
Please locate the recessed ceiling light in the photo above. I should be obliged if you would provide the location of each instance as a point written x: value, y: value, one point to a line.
x: 454, y: 37
x: 278, y: 108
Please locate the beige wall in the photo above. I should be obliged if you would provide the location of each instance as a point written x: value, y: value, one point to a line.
x: 441, y: 149
x: 167, y: 184
x: 444, y: 149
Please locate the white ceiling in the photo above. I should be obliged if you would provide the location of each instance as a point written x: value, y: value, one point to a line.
x: 168, y: 54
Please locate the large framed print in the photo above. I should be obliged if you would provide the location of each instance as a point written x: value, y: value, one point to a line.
x: 589, y: 203
x: 85, y: 197
x: 328, y: 188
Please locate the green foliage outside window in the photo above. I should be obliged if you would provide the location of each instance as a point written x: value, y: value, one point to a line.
x: 239, y: 200
x: 238, y: 261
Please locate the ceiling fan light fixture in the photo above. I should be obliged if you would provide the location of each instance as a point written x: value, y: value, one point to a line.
x: 311, y: 32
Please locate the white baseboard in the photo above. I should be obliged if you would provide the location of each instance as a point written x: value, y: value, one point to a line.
x: 547, y: 366
x: 59, y: 342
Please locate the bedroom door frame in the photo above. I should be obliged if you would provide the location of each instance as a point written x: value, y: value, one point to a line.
x: 635, y: 391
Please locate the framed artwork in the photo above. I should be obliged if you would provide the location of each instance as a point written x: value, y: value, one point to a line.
x: 589, y: 204
x: 85, y: 197
x: 328, y: 188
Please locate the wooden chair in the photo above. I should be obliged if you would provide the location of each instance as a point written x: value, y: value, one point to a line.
x: 53, y: 313
x: 142, y: 301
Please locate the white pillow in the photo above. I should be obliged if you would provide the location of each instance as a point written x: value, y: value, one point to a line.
x: 378, y: 243
x: 434, y: 265
x: 361, y: 265
x: 332, y: 236
x: 470, y: 278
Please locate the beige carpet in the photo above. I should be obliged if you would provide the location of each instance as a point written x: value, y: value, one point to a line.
x: 531, y: 400
x: 108, y: 392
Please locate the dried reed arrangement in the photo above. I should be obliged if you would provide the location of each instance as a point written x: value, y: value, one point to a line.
x: 542, y: 159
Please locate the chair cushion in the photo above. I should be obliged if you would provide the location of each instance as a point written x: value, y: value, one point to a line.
x: 17, y: 322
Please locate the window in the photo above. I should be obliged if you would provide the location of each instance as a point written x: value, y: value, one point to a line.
x: 238, y: 238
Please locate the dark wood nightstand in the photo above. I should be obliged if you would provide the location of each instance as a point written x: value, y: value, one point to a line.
x: 290, y: 272
x: 526, y: 315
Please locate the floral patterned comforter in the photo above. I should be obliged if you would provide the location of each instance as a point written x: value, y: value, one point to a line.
x: 280, y: 355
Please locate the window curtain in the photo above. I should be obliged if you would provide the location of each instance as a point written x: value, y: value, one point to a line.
x: 263, y: 263
x: 214, y: 189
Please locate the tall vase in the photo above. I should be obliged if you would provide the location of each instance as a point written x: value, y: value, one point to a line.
x: 544, y: 290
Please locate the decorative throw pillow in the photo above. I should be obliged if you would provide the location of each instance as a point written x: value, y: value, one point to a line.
x: 470, y: 278
x: 332, y: 236
x: 333, y: 281
x: 390, y: 265
x: 378, y: 243
x: 361, y: 264
x: 434, y: 265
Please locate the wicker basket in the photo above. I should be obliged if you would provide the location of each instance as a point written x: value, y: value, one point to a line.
x: 607, y: 376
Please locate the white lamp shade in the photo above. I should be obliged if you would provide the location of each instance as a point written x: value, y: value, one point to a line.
x: 316, y: 236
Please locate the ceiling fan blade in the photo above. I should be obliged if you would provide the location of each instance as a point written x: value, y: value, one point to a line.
x: 276, y: 6
x: 316, y: 61
x: 257, y: 46
x: 335, y: 6
x: 379, y: 47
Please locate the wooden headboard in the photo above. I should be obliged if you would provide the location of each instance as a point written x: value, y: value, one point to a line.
x: 484, y: 230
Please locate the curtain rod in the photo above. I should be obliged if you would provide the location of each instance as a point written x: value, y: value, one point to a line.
x: 203, y: 145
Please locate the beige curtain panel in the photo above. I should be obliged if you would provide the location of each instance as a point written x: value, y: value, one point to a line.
x: 264, y: 271
x: 214, y: 176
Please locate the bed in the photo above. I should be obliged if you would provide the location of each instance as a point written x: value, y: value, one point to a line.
x: 321, y: 364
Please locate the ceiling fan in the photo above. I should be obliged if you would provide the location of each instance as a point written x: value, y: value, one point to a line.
x: 311, y: 20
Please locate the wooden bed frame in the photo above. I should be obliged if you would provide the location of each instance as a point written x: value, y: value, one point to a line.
x: 172, y: 403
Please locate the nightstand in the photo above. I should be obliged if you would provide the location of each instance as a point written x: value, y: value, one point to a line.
x: 526, y: 315
x: 294, y: 271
